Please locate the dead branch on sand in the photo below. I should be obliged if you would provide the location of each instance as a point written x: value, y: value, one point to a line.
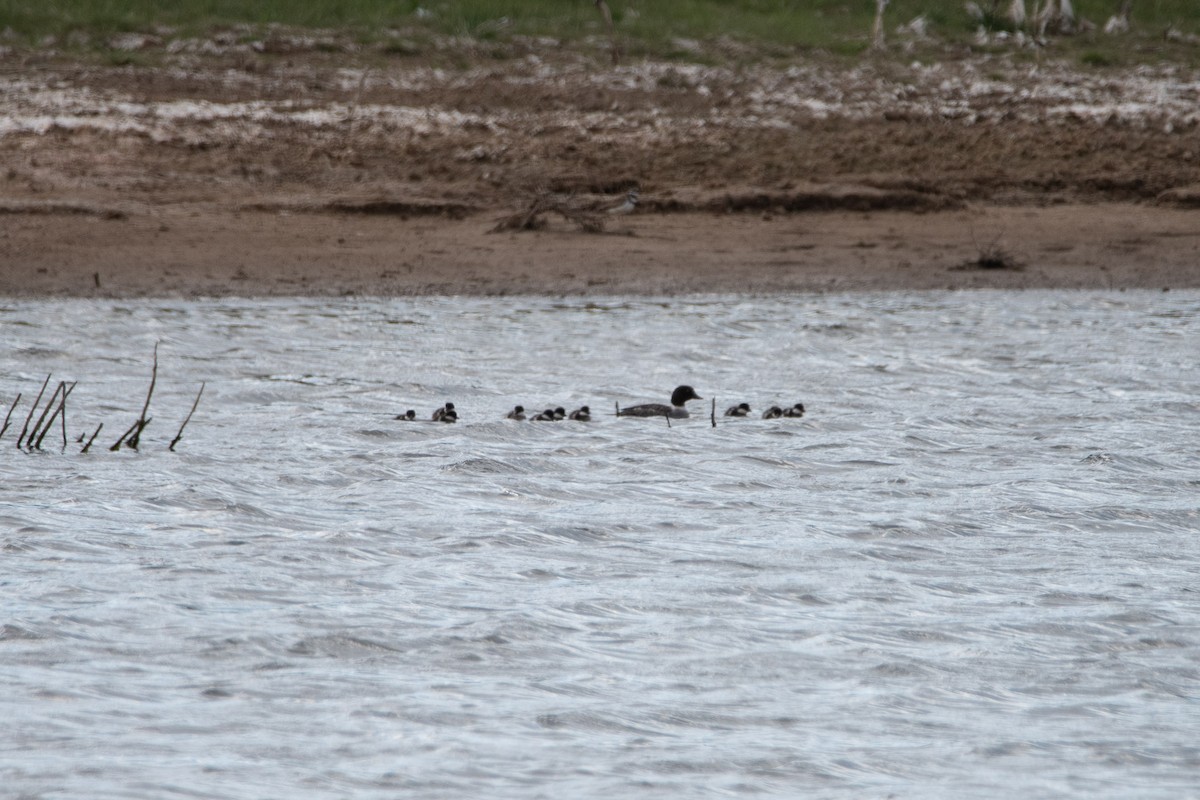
x: 990, y: 255
x: 545, y: 202
x: 602, y: 7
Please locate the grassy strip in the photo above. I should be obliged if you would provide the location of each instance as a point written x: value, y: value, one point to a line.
x: 655, y: 27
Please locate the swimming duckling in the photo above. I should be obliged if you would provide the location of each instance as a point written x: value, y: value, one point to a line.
x: 518, y: 413
x: 774, y: 412
x: 740, y: 410
x: 439, y: 415
x: 407, y: 416
x: 676, y: 410
x: 795, y: 411
x: 581, y: 414
x: 545, y: 416
x: 449, y: 415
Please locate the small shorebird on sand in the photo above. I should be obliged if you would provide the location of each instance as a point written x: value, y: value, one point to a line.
x: 627, y: 207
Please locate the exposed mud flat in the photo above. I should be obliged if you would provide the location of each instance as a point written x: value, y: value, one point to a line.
x: 106, y: 164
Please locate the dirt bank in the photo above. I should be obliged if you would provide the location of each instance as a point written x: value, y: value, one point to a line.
x: 233, y: 173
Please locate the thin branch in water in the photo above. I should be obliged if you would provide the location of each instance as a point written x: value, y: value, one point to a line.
x: 8, y: 416
x: 87, y: 446
x: 38, y: 427
x: 32, y: 410
x: 187, y: 419
x: 714, y: 411
x: 117, y: 444
x: 62, y: 406
x: 143, y: 420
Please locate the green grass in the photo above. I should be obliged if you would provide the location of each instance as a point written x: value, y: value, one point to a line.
x: 650, y: 27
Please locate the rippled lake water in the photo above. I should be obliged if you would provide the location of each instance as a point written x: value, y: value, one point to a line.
x: 972, y: 570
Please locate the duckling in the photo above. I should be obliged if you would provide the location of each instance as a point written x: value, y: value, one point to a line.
x: 439, y: 414
x: 795, y: 411
x: 449, y: 415
x: 545, y: 416
x: 774, y: 412
x: 518, y: 413
x: 407, y: 416
x: 581, y: 414
x: 740, y: 410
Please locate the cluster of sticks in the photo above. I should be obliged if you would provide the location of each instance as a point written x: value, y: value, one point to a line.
x: 55, y: 410
x: 545, y: 202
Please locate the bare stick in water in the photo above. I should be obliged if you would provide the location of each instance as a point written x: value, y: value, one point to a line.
x: 62, y: 405
x: 714, y: 411
x: 94, y: 435
x: 187, y: 419
x: 117, y: 444
x: 143, y: 420
x: 38, y: 427
x: 25, y: 428
x: 8, y: 416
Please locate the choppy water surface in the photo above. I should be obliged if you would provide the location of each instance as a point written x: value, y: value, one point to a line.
x: 971, y: 570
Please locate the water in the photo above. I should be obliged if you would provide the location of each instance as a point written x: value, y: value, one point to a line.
x: 971, y: 571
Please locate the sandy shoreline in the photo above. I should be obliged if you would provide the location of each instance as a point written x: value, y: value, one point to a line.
x: 235, y: 175
x: 178, y: 252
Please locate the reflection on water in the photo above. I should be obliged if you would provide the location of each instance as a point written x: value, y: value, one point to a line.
x: 971, y: 567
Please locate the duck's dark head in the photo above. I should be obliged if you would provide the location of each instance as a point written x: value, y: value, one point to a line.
x: 449, y: 406
x: 682, y: 394
x: 585, y: 409
x: 519, y: 409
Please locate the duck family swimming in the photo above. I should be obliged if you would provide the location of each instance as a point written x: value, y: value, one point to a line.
x: 676, y: 410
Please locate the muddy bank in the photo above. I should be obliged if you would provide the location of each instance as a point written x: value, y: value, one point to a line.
x: 214, y: 174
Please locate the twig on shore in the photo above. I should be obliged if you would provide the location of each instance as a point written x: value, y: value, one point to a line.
x: 187, y: 419
x: 87, y: 446
x: 9, y: 414
x: 32, y: 410
x: 602, y: 7
x: 544, y: 202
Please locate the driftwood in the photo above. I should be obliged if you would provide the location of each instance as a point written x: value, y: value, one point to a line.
x: 545, y: 202
x: 187, y: 419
